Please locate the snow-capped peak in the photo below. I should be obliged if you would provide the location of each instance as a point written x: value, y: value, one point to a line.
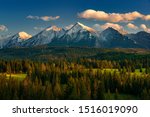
x: 86, y: 27
x: 24, y: 35
x: 54, y: 28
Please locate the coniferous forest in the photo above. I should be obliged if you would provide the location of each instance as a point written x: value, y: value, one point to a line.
x: 64, y: 73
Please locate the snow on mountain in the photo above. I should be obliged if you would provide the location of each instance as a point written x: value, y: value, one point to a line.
x: 15, y: 40
x: 4, y: 36
x: 3, y: 39
x: 78, y: 35
x: 78, y: 24
x: 78, y: 27
x: 45, y: 37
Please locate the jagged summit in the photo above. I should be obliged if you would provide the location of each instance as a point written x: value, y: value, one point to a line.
x: 111, y: 30
x: 79, y: 26
x: 46, y: 36
x: 78, y: 35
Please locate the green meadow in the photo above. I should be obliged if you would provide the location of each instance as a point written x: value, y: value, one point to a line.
x: 19, y: 77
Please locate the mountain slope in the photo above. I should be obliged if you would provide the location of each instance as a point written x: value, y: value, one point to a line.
x: 78, y: 35
x: 142, y: 38
x: 15, y: 40
x: 111, y: 38
x: 45, y: 37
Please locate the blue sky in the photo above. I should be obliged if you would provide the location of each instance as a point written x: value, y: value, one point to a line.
x: 33, y: 15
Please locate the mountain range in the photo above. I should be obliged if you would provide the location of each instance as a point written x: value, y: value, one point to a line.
x: 78, y: 35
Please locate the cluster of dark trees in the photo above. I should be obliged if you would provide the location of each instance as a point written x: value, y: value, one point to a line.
x: 83, y: 78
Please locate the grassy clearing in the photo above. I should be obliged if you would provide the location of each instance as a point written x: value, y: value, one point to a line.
x: 20, y: 77
x: 137, y: 72
x: 112, y: 70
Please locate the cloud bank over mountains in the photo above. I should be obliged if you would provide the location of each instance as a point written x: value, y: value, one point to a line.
x: 121, y: 28
x: 112, y: 17
x: 123, y: 22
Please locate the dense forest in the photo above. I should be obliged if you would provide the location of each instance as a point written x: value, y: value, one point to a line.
x: 75, y: 73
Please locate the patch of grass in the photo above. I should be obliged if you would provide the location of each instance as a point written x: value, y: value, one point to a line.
x: 138, y: 73
x: 138, y: 70
x: 20, y: 77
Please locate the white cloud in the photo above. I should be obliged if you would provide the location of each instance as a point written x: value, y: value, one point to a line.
x: 69, y: 26
x: 3, y: 28
x: 132, y: 26
x: 112, y: 25
x: 92, y: 14
x: 38, y: 28
x: 145, y: 28
x: 24, y: 35
x: 33, y: 17
x: 49, y: 18
x: 44, y: 18
x: 112, y: 17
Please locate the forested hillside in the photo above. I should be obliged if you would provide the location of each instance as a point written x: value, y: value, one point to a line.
x: 74, y: 73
